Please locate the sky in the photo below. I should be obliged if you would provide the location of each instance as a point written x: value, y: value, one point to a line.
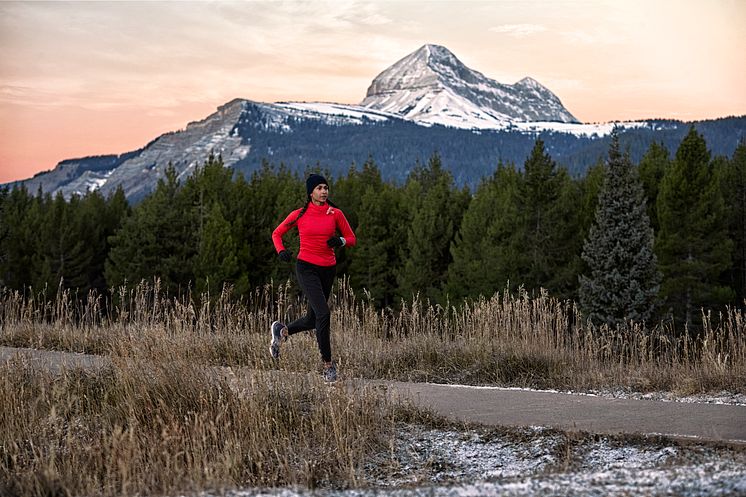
x: 91, y: 78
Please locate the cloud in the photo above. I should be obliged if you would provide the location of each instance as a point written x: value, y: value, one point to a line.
x: 519, y: 30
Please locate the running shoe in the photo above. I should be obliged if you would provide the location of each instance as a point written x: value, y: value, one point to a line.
x: 330, y: 374
x: 277, y: 338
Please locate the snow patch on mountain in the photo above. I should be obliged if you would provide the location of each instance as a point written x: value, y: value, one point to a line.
x: 334, y: 113
x: 443, y: 110
x: 590, y: 130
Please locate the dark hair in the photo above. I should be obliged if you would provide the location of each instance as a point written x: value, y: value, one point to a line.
x: 305, y: 208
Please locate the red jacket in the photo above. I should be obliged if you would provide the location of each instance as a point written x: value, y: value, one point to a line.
x: 315, y: 227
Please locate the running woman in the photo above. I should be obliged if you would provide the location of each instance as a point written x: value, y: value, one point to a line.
x: 318, y: 223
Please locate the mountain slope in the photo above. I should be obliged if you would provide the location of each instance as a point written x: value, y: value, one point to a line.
x: 229, y: 132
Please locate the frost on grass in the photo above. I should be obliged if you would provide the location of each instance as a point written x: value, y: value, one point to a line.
x: 539, y: 462
x: 603, y: 455
x: 446, y: 456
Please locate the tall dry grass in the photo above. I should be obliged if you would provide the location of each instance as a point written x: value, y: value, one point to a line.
x: 147, y: 428
x: 507, y: 339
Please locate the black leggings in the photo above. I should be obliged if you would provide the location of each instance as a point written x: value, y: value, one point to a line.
x: 316, y: 283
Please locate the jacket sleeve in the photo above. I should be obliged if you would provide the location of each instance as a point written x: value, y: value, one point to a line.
x: 281, y: 230
x: 344, y: 228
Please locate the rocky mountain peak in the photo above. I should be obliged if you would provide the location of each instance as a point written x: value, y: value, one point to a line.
x: 530, y: 83
x: 428, y: 67
x: 431, y: 85
x: 438, y: 56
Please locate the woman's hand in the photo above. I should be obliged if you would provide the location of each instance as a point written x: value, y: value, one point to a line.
x: 285, y: 256
x: 335, y: 241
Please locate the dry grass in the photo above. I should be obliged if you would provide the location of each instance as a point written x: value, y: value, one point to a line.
x: 159, y: 422
x: 148, y: 428
x: 507, y: 339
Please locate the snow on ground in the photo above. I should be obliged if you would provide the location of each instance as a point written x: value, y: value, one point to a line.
x: 724, y: 397
x: 539, y: 462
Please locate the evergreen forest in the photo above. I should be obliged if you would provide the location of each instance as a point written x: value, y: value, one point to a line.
x: 659, y: 239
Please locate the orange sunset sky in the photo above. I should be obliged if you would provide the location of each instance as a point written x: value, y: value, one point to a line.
x: 89, y: 78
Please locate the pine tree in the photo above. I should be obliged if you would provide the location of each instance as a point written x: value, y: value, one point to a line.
x: 570, y: 229
x: 652, y: 167
x: 216, y: 262
x: 590, y: 189
x: 485, y: 250
x: 623, y: 279
x: 157, y: 240
x: 375, y: 262
x: 734, y: 193
x: 548, y: 230
x: 380, y: 228
x: 692, y: 245
x: 63, y: 252
x: 216, y: 203
x: 19, y: 222
x: 435, y: 212
x: 239, y: 200
x: 211, y: 182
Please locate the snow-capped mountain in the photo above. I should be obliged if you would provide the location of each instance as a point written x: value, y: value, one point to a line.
x: 431, y: 86
x: 426, y: 102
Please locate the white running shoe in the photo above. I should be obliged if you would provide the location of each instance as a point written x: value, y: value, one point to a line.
x: 277, y: 338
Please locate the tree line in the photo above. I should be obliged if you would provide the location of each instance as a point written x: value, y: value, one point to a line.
x: 661, y: 239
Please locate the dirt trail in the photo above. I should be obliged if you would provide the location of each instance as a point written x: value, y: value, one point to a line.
x: 511, y: 407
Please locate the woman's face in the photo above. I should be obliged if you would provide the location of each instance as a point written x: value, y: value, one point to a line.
x: 320, y: 194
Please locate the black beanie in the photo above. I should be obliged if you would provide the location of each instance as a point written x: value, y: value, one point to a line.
x: 313, y: 181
